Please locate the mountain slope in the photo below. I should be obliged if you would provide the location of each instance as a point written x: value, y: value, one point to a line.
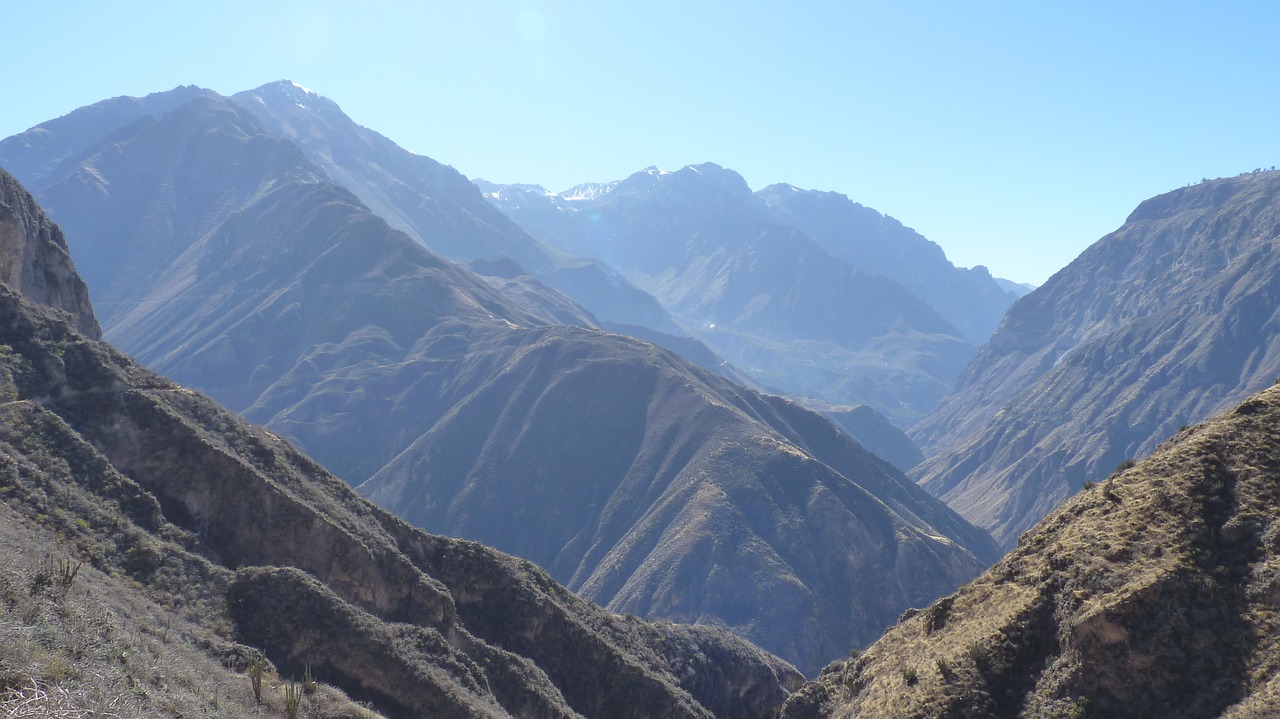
x: 185, y: 515
x: 1157, y: 325
x: 301, y: 309
x: 34, y: 259
x: 765, y: 296
x: 1150, y: 595
x: 970, y: 299
x: 436, y: 205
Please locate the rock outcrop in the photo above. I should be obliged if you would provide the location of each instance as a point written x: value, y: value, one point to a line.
x: 34, y: 258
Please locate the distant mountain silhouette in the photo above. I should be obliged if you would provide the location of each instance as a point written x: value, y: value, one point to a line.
x: 764, y: 295
x: 1159, y: 324
x: 970, y: 299
x: 643, y: 482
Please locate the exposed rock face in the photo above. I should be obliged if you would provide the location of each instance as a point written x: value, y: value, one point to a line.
x: 1172, y: 317
x: 970, y: 299
x: 764, y: 295
x: 34, y: 258
x: 143, y: 477
x: 288, y: 300
x: 1152, y: 594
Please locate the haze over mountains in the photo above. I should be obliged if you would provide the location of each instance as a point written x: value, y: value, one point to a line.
x: 804, y: 293
x: 268, y: 250
x: 205, y: 543
x: 1165, y: 321
x: 228, y: 259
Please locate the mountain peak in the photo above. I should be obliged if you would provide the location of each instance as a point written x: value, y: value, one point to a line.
x: 292, y: 92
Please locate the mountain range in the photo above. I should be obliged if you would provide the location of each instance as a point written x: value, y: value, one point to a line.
x: 160, y: 552
x: 228, y: 260
x: 1167, y: 320
x: 804, y: 291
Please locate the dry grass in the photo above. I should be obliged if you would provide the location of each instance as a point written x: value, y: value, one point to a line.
x: 103, y: 646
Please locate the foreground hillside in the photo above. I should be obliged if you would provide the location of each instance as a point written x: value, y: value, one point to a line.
x: 1165, y: 321
x: 206, y: 543
x: 229, y: 262
x: 1151, y: 594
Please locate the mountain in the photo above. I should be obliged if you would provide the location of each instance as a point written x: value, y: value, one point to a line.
x: 1152, y: 594
x: 1160, y: 324
x: 877, y: 434
x: 283, y: 296
x: 1017, y: 288
x: 436, y: 205
x: 764, y: 295
x: 970, y: 299
x: 34, y: 259
x: 156, y: 546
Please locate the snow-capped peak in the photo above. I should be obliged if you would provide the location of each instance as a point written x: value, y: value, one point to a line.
x: 588, y: 191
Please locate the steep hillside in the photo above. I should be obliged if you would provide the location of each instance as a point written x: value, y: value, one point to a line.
x: 206, y: 543
x: 298, y: 307
x: 436, y: 205
x: 34, y: 259
x: 1152, y: 594
x: 33, y: 155
x: 765, y: 296
x: 970, y: 299
x: 1160, y: 324
x: 877, y: 435
x: 662, y: 491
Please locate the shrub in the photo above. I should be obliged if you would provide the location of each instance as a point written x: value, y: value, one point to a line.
x: 257, y: 668
x: 292, y: 699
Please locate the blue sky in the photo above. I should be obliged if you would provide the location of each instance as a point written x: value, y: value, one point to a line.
x: 1013, y: 134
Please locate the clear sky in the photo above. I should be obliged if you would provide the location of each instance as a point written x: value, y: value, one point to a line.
x: 1013, y: 134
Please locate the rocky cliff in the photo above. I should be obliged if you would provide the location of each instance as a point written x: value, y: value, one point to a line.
x: 34, y: 259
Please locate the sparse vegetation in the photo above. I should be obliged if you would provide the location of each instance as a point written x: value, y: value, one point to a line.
x: 256, y: 671
x: 292, y: 699
x: 1180, y: 575
x: 308, y: 680
x: 977, y: 653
